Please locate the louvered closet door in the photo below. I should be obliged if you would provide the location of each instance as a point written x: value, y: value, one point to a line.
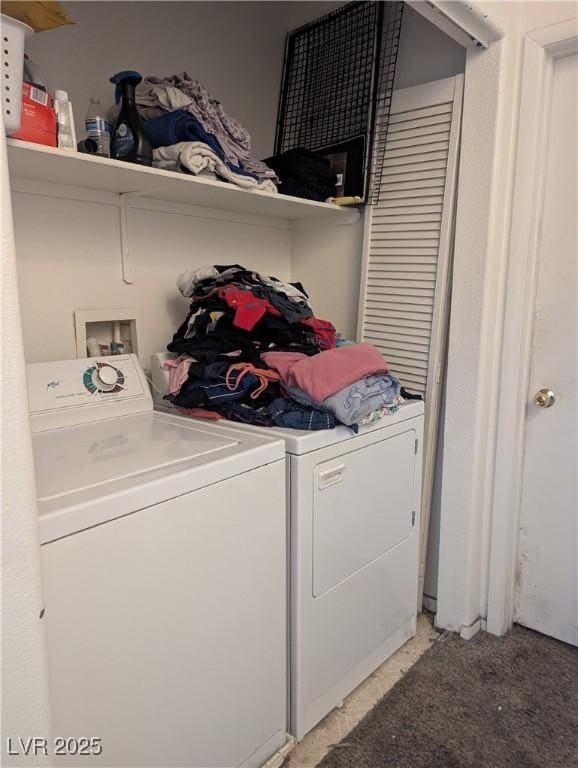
x: 407, y: 250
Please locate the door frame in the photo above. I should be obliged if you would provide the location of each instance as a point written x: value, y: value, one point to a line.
x: 541, y: 49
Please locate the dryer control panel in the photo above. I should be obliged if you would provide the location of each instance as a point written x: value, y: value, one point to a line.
x: 69, y: 392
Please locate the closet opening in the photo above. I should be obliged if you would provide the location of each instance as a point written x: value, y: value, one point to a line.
x: 182, y: 287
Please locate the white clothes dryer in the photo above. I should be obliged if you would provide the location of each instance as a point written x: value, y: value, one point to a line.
x: 163, y: 546
x: 354, y: 511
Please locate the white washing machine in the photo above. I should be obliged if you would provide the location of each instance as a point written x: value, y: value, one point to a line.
x: 354, y: 510
x: 163, y: 546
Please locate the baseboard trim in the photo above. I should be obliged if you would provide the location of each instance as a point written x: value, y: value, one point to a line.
x: 467, y: 632
x: 277, y: 760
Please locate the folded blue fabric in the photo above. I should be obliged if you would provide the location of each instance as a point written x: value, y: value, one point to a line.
x: 288, y: 413
x: 180, y: 125
x: 351, y: 404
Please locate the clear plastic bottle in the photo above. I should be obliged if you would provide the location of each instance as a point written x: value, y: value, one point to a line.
x: 65, y: 121
x: 98, y: 128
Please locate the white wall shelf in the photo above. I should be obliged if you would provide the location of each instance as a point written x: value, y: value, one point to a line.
x: 36, y: 162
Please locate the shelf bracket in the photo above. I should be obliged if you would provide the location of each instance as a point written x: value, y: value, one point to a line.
x: 126, y: 261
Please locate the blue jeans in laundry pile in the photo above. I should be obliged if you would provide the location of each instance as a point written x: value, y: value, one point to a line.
x: 287, y: 413
x: 301, y: 397
x: 245, y: 414
x: 215, y: 391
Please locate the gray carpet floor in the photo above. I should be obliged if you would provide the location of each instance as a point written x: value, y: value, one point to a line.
x: 491, y: 702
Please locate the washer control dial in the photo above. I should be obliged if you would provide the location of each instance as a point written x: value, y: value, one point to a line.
x: 103, y: 378
x: 107, y: 376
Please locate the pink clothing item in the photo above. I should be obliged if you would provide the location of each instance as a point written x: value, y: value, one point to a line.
x: 201, y: 413
x: 178, y: 372
x: 242, y: 369
x: 282, y: 362
x: 329, y: 372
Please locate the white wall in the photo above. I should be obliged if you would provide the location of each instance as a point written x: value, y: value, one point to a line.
x: 24, y: 689
x: 81, y: 268
x: 327, y: 260
x: 69, y: 258
x: 425, y: 52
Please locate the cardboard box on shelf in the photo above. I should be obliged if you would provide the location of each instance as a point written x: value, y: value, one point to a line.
x: 38, y: 120
x: 38, y: 15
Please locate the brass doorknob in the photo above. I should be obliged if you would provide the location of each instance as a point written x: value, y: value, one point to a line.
x: 544, y: 398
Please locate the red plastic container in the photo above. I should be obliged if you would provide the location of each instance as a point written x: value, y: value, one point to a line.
x: 38, y: 119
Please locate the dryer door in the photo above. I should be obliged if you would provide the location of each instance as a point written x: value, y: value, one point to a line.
x: 363, y: 507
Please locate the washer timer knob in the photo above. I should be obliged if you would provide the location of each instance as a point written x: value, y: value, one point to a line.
x: 107, y: 375
x: 103, y: 378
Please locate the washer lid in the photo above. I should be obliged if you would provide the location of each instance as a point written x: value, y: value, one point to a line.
x: 91, y: 473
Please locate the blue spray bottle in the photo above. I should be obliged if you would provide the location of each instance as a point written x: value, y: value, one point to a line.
x: 129, y: 141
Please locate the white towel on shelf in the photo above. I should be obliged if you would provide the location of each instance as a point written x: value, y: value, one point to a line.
x: 197, y: 157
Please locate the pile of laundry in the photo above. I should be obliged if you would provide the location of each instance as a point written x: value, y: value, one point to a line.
x: 190, y: 131
x: 251, y: 350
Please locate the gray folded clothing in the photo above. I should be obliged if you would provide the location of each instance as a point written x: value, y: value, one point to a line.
x: 353, y: 403
x: 182, y: 92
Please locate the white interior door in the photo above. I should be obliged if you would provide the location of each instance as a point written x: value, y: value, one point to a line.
x: 547, y: 583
